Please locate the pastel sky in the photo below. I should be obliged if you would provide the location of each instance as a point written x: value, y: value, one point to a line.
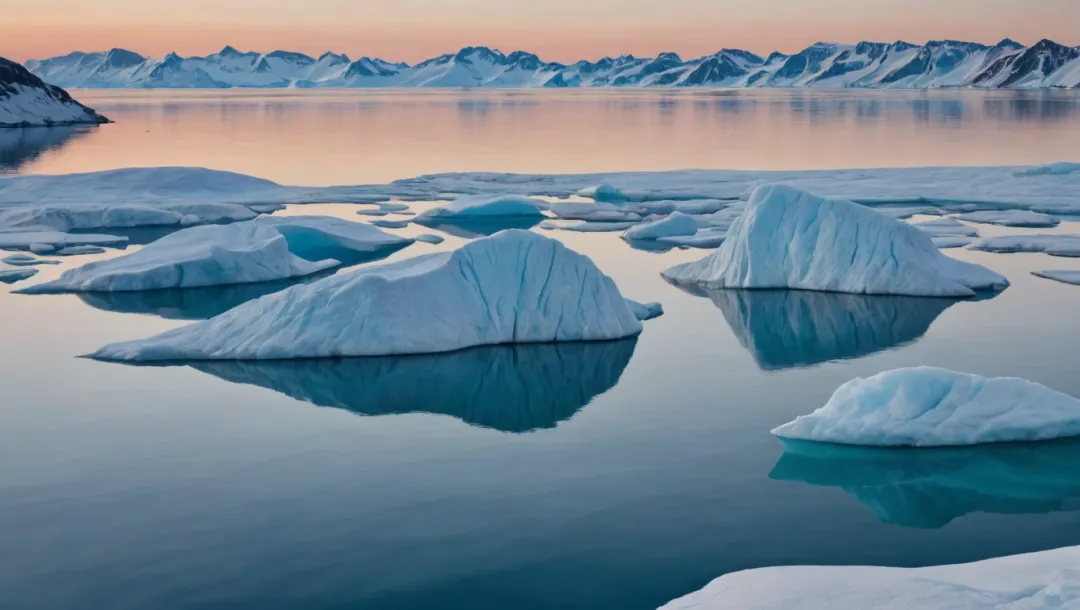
x: 557, y: 30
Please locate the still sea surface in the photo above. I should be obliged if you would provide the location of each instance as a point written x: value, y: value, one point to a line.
x: 597, y: 476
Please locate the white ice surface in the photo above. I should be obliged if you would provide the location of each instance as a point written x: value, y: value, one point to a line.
x: 931, y: 407
x: 514, y: 287
x: 586, y: 226
x: 789, y: 238
x: 706, y: 239
x: 947, y: 226
x: 1049, y: 580
x: 675, y: 225
x: 260, y: 250
x: 1054, y: 245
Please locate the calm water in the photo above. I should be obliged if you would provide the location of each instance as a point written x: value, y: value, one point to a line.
x: 614, y: 475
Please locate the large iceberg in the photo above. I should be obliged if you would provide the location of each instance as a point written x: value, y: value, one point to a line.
x: 514, y: 287
x: 789, y: 238
x: 1038, y: 581
x: 260, y: 250
x: 932, y: 407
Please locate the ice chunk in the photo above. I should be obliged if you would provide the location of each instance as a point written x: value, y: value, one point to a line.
x: 485, y: 206
x: 390, y: 224
x: 1066, y: 276
x: 677, y: 224
x: 10, y: 276
x: 701, y: 239
x: 929, y: 488
x: 430, y: 238
x: 928, y: 407
x: 785, y: 329
x: 610, y: 193
x: 45, y: 242
x: 25, y: 260
x: 587, y: 227
x: 1010, y: 218
x: 1054, y: 245
x: 393, y: 206
x: 1038, y: 581
x: 509, y: 388
x: 41, y: 248
x: 788, y: 238
x: 947, y: 226
x: 646, y: 311
x: 951, y: 241
x: 372, y: 212
x: 77, y: 250
x: 260, y: 250
x: 515, y: 287
x: 903, y: 212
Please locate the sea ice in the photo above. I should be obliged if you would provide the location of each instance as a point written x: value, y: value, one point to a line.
x: 25, y: 260
x: 1046, y: 580
x: 10, y: 276
x: 594, y: 212
x: 931, y: 407
x: 1066, y: 276
x: 485, y: 206
x: 587, y: 227
x: 394, y: 207
x: 77, y: 250
x: 951, y: 241
x: 1011, y: 218
x: 372, y: 212
x: 430, y: 238
x: 789, y: 238
x: 947, y: 226
x: 702, y: 239
x: 514, y: 287
x: 1054, y: 245
x: 45, y: 242
x: 646, y: 311
x: 675, y: 225
x: 390, y: 224
x: 260, y: 250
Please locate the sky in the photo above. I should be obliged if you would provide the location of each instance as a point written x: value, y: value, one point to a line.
x: 557, y: 30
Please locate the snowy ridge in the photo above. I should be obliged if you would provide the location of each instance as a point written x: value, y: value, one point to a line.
x: 27, y: 101
x: 895, y: 65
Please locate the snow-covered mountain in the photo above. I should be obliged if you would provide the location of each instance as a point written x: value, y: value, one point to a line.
x: 896, y: 65
x: 26, y: 101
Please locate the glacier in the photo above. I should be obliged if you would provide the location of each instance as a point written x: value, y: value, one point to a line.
x: 260, y: 250
x: 1052, y: 244
x: 27, y: 101
x: 1065, y: 276
x: 896, y: 65
x: 932, y: 407
x: 513, y: 287
x: 789, y: 238
x: 1046, y: 580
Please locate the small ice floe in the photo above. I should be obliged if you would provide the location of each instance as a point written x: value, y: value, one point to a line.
x: 77, y: 250
x: 514, y: 287
x: 430, y: 238
x: 10, y: 276
x: 788, y: 238
x: 1065, y: 276
x: 1011, y: 218
x: 706, y: 239
x: 372, y: 212
x: 394, y: 207
x: 390, y: 224
x: 48, y: 241
x: 260, y: 250
x: 25, y: 260
x: 947, y: 226
x: 1054, y: 245
x: 945, y: 242
x: 587, y: 227
x: 486, y: 206
x: 594, y: 212
x: 676, y: 224
x: 932, y: 407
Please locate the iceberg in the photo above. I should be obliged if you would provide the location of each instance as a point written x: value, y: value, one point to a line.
x: 508, y: 388
x: 260, y: 250
x: 675, y: 225
x: 25, y: 260
x: 10, y: 276
x: 1065, y: 276
x: 785, y: 329
x: 514, y: 287
x: 1054, y: 245
x: 788, y: 238
x: 1011, y: 218
x: 932, y: 407
x: 1037, y: 581
x: 485, y: 206
x: 929, y: 488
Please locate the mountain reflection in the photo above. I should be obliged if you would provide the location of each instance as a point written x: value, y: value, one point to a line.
x: 510, y: 388
x: 18, y: 147
x: 786, y: 329
x: 928, y: 488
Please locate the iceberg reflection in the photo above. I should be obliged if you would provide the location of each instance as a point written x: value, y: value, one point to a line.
x: 785, y: 329
x: 928, y: 488
x: 511, y: 388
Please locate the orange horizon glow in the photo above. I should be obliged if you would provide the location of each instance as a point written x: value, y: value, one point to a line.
x: 556, y: 30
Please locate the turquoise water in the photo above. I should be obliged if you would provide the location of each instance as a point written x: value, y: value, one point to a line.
x: 609, y: 475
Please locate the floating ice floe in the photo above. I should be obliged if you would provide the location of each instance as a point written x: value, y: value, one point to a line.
x: 394, y: 207
x: 76, y: 216
x: 514, y: 287
x: 947, y: 226
x: 931, y: 407
x: 945, y: 242
x: 10, y: 276
x: 587, y: 227
x: 372, y: 212
x: 25, y: 260
x: 260, y: 250
x: 484, y: 206
x: 390, y: 224
x: 78, y: 250
x: 1011, y: 218
x: 675, y: 225
x: 1065, y: 276
x: 1046, y: 580
x: 430, y: 238
x: 789, y: 238
x: 594, y: 212
x: 46, y: 242
x: 707, y: 239
x: 1054, y: 245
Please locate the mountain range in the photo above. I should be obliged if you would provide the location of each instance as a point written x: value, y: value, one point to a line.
x: 26, y: 101
x: 897, y: 65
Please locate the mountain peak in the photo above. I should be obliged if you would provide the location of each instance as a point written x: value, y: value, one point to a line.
x: 1009, y: 43
x: 229, y: 50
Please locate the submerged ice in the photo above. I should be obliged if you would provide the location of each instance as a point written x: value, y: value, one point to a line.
x: 788, y: 238
x: 514, y: 287
x: 928, y: 407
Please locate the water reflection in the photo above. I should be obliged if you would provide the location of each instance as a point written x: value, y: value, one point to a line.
x: 19, y: 147
x: 928, y: 488
x: 512, y: 388
x: 470, y: 229
x: 786, y: 329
